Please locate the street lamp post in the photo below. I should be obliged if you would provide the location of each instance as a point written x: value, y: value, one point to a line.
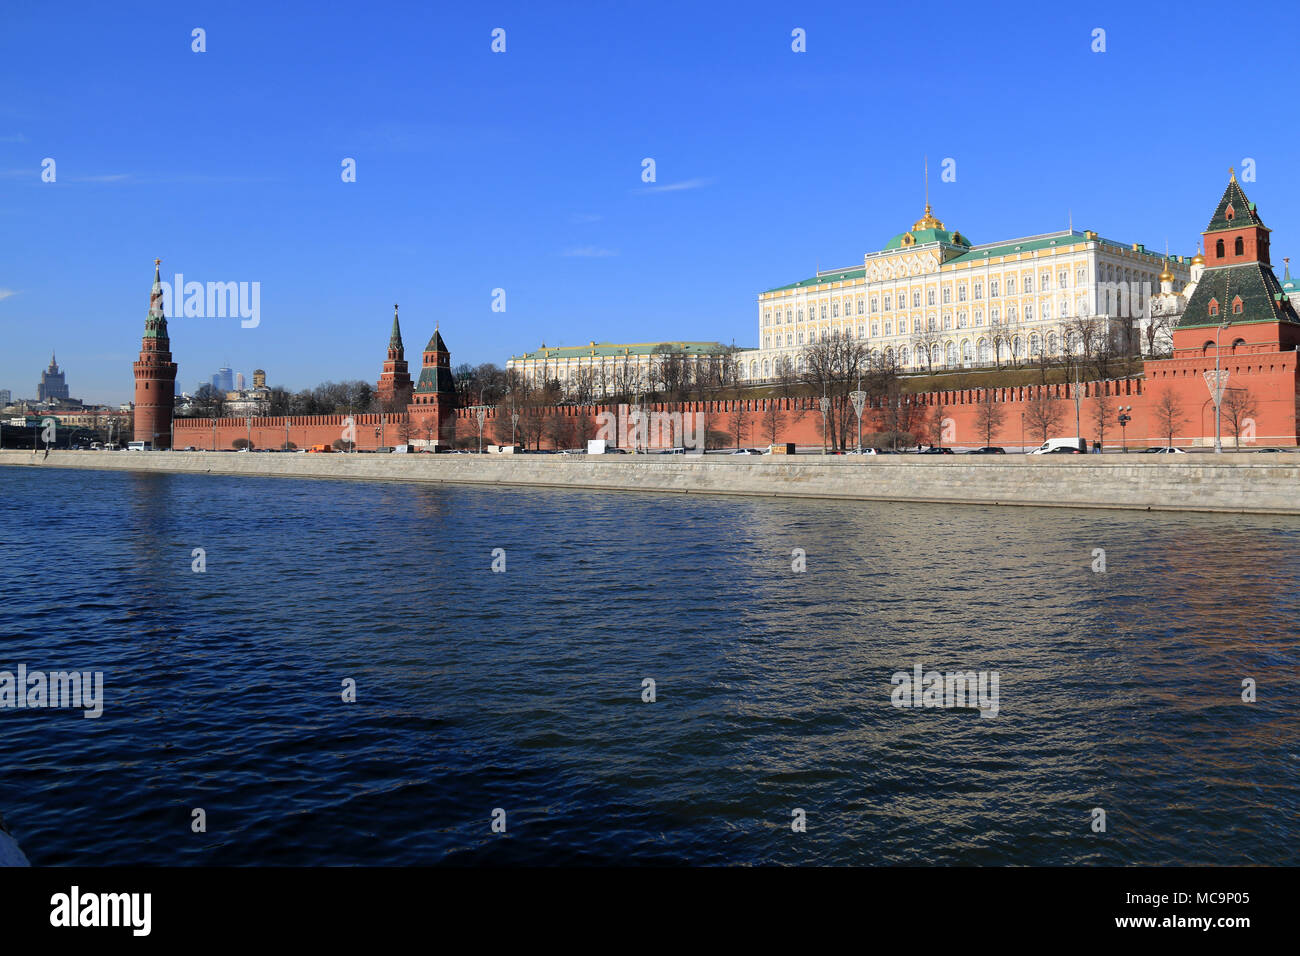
x: 1124, y: 419
x: 859, y: 399
x: 514, y: 423
x: 480, y: 414
x: 1218, y: 389
x: 825, y: 404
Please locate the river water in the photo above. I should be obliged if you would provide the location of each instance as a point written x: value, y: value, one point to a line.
x: 519, y: 693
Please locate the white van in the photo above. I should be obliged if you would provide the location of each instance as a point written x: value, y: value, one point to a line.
x: 1049, y: 447
x: 139, y: 446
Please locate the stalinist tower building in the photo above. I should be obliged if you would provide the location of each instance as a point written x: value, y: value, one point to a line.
x: 155, y: 374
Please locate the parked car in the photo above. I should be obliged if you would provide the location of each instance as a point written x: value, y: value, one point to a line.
x: 1166, y: 451
x: 987, y: 450
x: 747, y: 451
x: 935, y: 450
x: 1273, y: 451
x: 1059, y: 450
x: 865, y: 451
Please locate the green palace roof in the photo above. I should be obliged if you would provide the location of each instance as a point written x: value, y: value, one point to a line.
x: 605, y: 349
x: 976, y: 254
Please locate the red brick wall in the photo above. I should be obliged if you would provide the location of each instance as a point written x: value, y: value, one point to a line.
x: 1271, y: 379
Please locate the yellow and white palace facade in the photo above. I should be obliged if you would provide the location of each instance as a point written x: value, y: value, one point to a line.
x: 931, y: 299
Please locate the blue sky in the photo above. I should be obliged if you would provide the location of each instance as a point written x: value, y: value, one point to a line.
x: 522, y: 170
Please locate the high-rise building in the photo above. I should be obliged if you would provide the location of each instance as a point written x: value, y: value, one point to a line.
x: 6, y: 397
x: 223, y: 380
x: 155, y: 374
x: 239, y: 381
x: 53, y: 387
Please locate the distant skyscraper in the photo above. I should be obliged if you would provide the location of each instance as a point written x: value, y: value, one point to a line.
x: 52, y: 386
x: 239, y: 381
x: 6, y: 398
x: 223, y: 380
x: 259, y: 378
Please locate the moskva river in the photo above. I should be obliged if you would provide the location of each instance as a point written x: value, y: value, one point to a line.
x: 340, y: 676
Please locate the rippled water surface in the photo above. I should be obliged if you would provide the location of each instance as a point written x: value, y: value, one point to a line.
x: 522, y: 690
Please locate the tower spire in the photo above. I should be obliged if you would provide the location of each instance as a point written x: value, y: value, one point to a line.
x: 395, y: 339
x: 926, y: 175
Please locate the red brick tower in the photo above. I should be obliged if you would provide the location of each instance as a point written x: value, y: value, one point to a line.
x: 433, y: 404
x: 155, y: 374
x: 1240, y: 329
x: 394, y: 389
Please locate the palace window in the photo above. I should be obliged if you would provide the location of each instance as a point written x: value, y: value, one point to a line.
x: 801, y: 315
x: 961, y: 292
x: 767, y: 341
x: 1080, y: 277
x: 1065, y: 308
x: 947, y: 322
x: 823, y: 310
x: 789, y: 339
x: 862, y: 304
x: 875, y: 328
x: 835, y: 310
x: 875, y: 305
x: 801, y: 338
x: 979, y: 316
x: 787, y: 315
x: 903, y: 355
x: 889, y: 303
x: 1029, y: 312
x: 961, y: 320
x: 930, y: 324
x: 947, y: 295
x: 862, y: 331
x: 1045, y: 281
x: 1011, y: 285
x: 1011, y: 313
x: 994, y: 316
x: 1029, y: 283
x: 889, y: 328
x: 979, y: 290
x: 929, y: 297
x: 1063, y: 279
x: 993, y: 288
x: 767, y: 318
x: 916, y: 300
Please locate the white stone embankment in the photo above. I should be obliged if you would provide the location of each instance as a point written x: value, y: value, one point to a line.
x: 1249, y: 482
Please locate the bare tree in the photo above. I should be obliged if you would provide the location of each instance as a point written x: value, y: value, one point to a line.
x: 989, y: 414
x: 1168, y: 413
x: 1102, y: 409
x: 772, y: 420
x: 1044, y: 413
x: 1237, y: 408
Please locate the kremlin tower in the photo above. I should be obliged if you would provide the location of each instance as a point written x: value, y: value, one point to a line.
x: 394, y: 388
x: 155, y: 374
x: 434, y: 400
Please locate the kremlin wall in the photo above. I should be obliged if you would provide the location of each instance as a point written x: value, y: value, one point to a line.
x: 1238, y: 312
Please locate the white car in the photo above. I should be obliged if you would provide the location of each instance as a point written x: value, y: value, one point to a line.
x: 1166, y: 451
x: 747, y: 451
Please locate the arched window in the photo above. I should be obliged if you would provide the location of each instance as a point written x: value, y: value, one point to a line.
x: 1237, y: 343
x: 903, y: 355
x: 982, y: 350
x: 765, y: 368
x: 967, y: 353
x: 1218, y: 249
x: 1239, y: 247
x: 950, y: 354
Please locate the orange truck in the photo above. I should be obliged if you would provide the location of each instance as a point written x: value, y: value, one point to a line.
x: 319, y: 449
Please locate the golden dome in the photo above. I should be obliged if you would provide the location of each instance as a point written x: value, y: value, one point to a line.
x: 1198, y: 260
x: 1166, y: 275
x: 927, y: 221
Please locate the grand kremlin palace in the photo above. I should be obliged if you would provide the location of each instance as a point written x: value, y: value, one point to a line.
x: 931, y: 289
